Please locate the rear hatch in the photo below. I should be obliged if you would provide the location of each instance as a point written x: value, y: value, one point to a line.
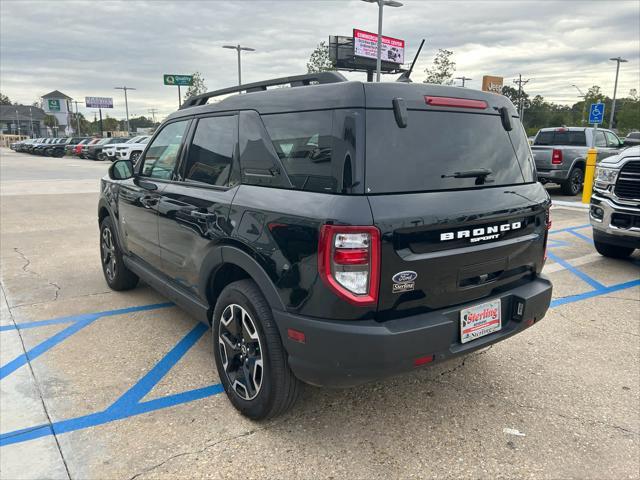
x: 448, y: 238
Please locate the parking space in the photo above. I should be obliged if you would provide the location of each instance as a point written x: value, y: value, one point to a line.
x: 103, y: 384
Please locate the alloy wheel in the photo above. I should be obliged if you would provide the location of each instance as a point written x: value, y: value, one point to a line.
x: 108, y: 254
x: 241, y: 351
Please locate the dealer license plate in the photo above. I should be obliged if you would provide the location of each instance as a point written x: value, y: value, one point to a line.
x: 480, y: 320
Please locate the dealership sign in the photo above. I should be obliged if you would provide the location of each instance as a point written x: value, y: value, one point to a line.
x: 99, y: 102
x: 179, y: 80
x: 53, y: 105
x: 365, y: 44
x: 492, y: 84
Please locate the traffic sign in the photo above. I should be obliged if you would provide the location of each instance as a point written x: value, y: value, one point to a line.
x: 178, y: 80
x: 596, y: 113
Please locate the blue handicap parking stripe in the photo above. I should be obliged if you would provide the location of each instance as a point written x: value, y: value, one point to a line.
x: 569, y: 229
x: 594, y: 293
x: 583, y: 276
x: 581, y: 236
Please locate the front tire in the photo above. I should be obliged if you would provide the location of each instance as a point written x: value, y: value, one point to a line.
x: 116, y: 273
x: 134, y: 157
x: 251, y: 361
x: 612, y: 251
x: 573, y: 185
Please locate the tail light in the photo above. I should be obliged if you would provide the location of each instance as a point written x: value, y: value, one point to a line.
x: 349, y: 262
x: 556, y: 157
x: 546, y: 233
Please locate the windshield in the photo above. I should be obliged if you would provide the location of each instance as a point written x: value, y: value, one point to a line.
x: 561, y: 137
x: 436, y: 145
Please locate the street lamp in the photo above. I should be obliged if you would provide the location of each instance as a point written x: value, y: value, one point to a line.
x: 126, y: 104
x: 381, y: 4
x: 584, y: 102
x: 618, y: 61
x: 239, y: 48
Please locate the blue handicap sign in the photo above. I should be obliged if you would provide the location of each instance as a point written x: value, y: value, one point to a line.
x: 596, y: 113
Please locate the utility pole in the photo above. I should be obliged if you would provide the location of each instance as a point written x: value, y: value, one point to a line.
x: 153, y: 112
x: 464, y: 79
x: 77, y: 117
x: 584, y: 104
x: 520, y: 82
x: 18, y: 121
x: 31, y: 121
x: 618, y: 61
x: 239, y: 49
x: 126, y: 104
x: 381, y: 5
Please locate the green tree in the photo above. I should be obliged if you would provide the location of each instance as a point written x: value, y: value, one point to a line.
x: 627, y: 116
x: 140, y: 122
x: 197, y: 87
x: 320, y: 61
x: 4, y: 100
x: 110, y: 124
x: 594, y: 94
x: 443, y: 68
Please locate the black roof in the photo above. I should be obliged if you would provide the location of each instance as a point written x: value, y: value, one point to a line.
x: 8, y: 112
x: 338, y: 94
x: 56, y: 94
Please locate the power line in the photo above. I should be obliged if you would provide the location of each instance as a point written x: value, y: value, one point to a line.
x: 153, y: 112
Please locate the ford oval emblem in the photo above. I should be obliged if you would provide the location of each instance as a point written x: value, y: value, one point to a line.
x: 405, y: 277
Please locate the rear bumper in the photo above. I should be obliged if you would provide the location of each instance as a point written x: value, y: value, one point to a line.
x: 343, y: 353
x: 553, y: 175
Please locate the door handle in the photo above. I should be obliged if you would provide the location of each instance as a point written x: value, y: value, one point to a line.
x: 202, y: 215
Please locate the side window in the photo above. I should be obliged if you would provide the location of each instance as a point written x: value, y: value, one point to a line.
x: 600, y: 141
x: 304, y: 143
x: 612, y: 140
x: 211, y: 152
x: 162, y: 155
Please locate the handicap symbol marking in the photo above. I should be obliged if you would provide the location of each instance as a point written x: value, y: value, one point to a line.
x: 596, y: 113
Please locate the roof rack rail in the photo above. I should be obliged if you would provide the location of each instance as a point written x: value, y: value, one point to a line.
x: 294, y: 81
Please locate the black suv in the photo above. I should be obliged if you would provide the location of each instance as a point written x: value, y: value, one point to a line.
x: 334, y: 232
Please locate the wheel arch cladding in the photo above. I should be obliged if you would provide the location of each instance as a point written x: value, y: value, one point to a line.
x: 228, y: 264
x: 578, y: 162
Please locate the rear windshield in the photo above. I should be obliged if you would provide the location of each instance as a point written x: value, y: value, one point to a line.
x: 436, y: 145
x: 567, y: 137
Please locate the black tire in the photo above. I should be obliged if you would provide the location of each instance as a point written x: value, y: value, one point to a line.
x: 612, y: 251
x: 573, y: 185
x: 134, y: 157
x: 278, y: 388
x: 116, y: 273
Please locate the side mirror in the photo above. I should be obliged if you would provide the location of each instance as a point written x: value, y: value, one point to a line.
x: 121, y: 170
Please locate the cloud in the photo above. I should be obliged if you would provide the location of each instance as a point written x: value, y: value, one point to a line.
x: 88, y: 48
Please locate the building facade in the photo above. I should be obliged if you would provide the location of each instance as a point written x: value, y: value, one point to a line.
x: 58, y: 105
x: 22, y: 120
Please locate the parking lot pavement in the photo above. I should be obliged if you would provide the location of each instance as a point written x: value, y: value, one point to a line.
x: 122, y: 385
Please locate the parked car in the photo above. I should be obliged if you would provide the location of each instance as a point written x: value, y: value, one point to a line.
x: 336, y: 232
x: 615, y: 204
x: 132, y: 151
x: 109, y: 151
x: 560, y: 154
x: 85, y: 146
x: 95, y: 151
x: 71, y: 145
x: 632, y: 139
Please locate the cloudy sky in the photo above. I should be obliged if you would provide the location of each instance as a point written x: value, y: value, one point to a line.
x: 85, y: 48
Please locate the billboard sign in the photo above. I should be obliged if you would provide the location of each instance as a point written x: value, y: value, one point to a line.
x: 53, y: 105
x: 98, y: 102
x: 365, y: 44
x: 178, y: 80
x: 492, y: 84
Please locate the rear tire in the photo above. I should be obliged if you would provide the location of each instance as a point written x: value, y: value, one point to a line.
x: 134, y: 157
x: 612, y: 251
x: 246, y: 343
x: 116, y: 273
x: 573, y: 185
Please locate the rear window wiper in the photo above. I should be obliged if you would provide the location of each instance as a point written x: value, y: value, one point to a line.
x: 480, y: 174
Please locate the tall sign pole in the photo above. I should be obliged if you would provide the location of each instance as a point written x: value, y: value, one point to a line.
x: 618, y: 61
x: 178, y: 81
x: 126, y: 104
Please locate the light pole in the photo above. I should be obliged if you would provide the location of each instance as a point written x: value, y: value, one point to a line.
x: 464, y: 79
x: 31, y: 121
x: 584, y: 102
x: 126, y: 104
x: 618, y: 61
x: 239, y: 49
x: 381, y: 5
x: 77, y: 117
x: 18, y: 121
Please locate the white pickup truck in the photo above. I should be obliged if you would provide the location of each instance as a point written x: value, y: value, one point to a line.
x: 560, y: 154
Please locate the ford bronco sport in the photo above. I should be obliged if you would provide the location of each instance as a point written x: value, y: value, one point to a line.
x: 334, y: 232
